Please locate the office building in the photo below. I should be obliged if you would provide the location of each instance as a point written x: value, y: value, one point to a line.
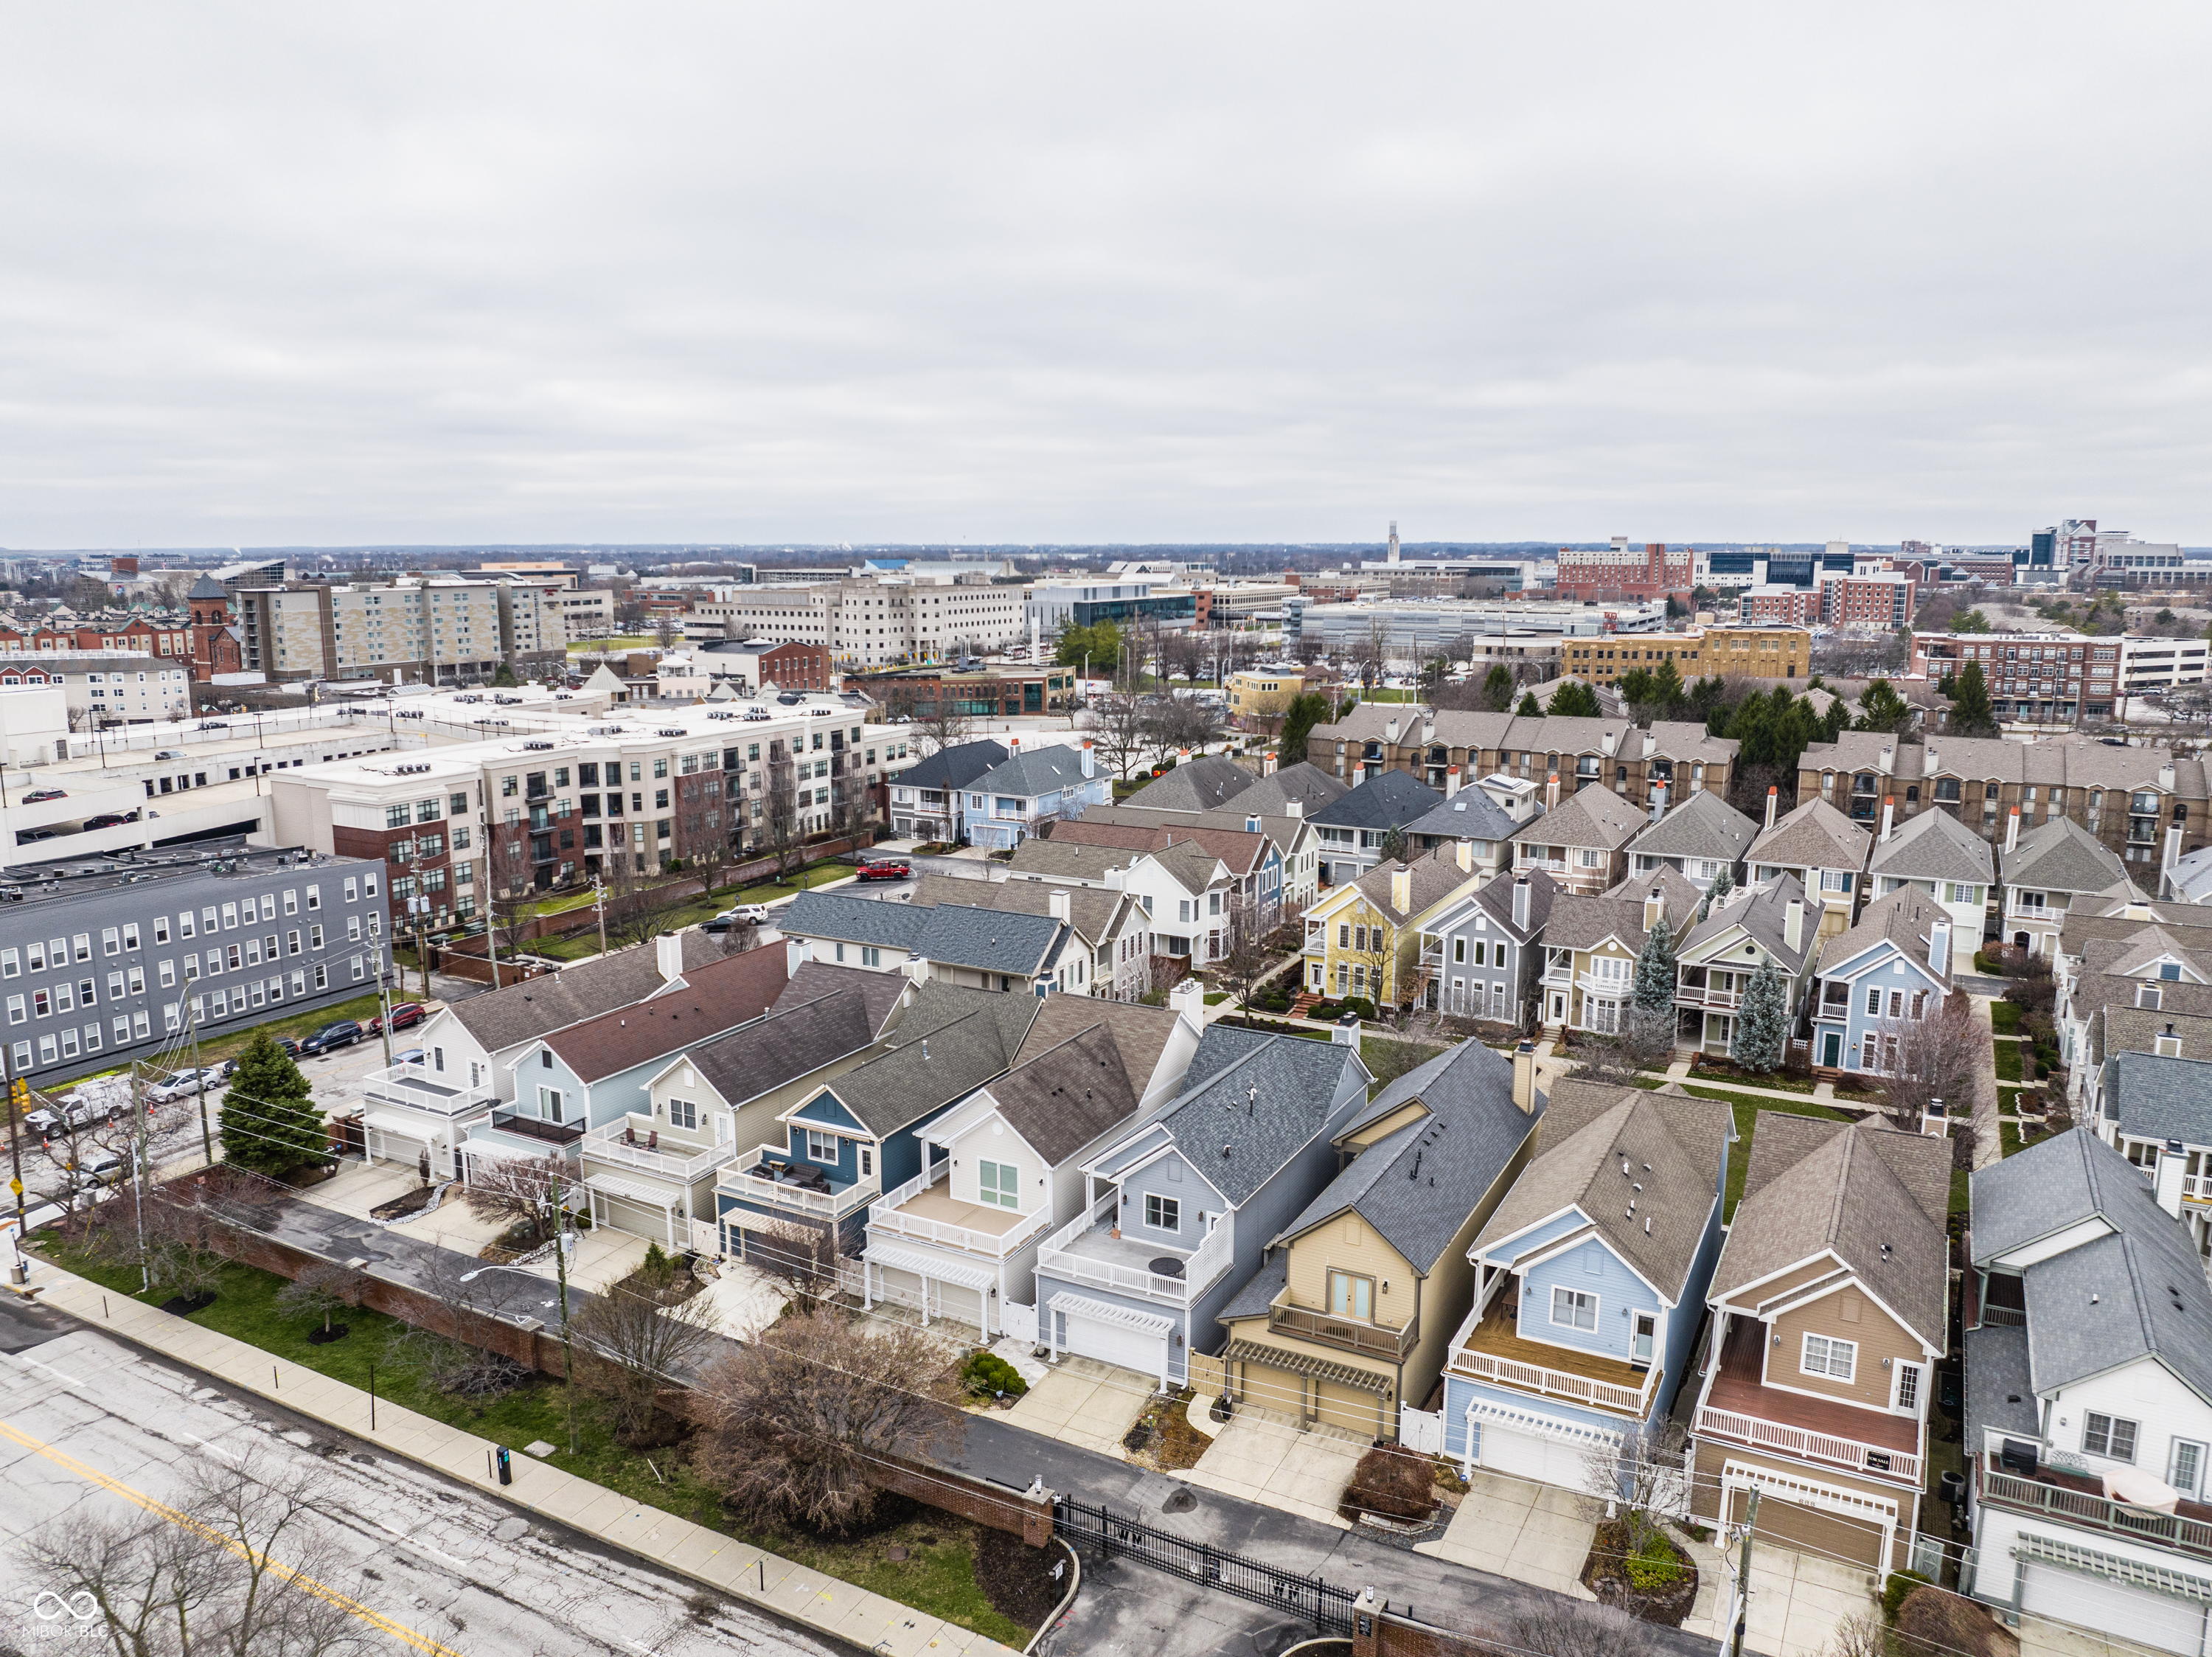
x: 1623, y: 571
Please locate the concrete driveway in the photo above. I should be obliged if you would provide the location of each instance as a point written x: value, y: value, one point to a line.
x: 1083, y: 1402
x: 744, y: 1302
x: 1273, y: 1462
x: 1533, y: 1533
x: 1797, y: 1599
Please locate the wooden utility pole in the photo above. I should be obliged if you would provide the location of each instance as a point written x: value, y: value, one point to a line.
x: 19, y: 1095
x: 560, y: 1272
x: 1743, y: 1576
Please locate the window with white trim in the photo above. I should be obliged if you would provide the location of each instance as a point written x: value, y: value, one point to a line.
x: 1573, y: 1309
x: 999, y: 1183
x: 821, y: 1147
x: 1163, y: 1213
x: 1825, y: 1355
x: 2109, y: 1436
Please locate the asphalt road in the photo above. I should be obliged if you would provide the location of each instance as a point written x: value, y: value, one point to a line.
x: 449, y: 1562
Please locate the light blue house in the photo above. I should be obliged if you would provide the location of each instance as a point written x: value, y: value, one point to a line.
x: 1005, y: 803
x: 1591, y: 1281
x: 850, y: 1140
x: 1878, y: 981
x: 1179, y: 1211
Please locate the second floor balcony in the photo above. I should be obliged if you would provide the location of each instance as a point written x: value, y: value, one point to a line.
x: 417, y: 1086
x: 1086, y: 1251
x: 1369, y: 1340
x: 1739, y: 1408
x: 1493, y: 1350
x: 2078, y: 1497
x: 527, y: 1126
x: 924, y: 1210
x: 769, y: 1176
x: 638, y: 1142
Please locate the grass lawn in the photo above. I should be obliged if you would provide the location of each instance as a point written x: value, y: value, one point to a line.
x: 2007, y: 1061
x: 2004, y: 1017
x: 1746, y: 1116
x: 1962, y: 1196
x: 1788, y: 1084
x: 2007, y: 1138
x: 938, y: 1578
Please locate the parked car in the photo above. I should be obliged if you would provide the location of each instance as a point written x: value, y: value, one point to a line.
x: 885, y: 871
x: 287, y: 1046
x: 412, y: 1056
x: 27, y: 836
x: 38, y: 795
x: 343, y: 1032
x: 406, y: 1014
x: 72, y: 1117
x: 107, y: 820
x: 107, y: 1168
x: 186, y: 1084
x: 169, y: 753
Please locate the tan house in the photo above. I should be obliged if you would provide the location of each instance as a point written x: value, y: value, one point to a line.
x: 1582, y: 845
x: 1365, y: 939
x: 1829, y: 1315
x: 1353, y: 1309
x: 1590, y: 945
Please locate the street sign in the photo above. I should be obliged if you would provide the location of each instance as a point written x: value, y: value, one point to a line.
x: 16, y: 1186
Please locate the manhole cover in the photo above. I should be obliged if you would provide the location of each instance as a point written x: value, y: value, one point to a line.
x: 1180, y: 1502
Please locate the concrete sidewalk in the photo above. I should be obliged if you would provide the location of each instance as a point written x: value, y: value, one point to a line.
x: 823, y: 1603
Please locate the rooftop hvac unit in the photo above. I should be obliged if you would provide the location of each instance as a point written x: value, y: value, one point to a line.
x: 539, y: 747
x: 670, y: 730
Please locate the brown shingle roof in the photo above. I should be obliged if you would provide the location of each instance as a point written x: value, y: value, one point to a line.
x: 716, y: 997
x: 1814, y: 836
x: 522, y: 1012
x: 1064, y: 1096
x: 1595, y: 817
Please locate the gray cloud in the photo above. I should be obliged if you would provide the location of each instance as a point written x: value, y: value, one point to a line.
x: 435, y: 273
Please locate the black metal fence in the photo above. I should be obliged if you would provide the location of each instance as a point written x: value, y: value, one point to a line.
x: 1306, y: 1598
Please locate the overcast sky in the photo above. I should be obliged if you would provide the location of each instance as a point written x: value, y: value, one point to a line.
x: 337, y: 274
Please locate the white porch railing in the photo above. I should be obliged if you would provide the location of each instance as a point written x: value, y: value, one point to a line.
x: 1556, y: 1383
x: 884, y: 1215
x: 1812, y: 1446
x: 1199, y: 1267
x: 606, y: 1145
x: 737, y: 1179
x: 417, y: 1087
x: 2197, y: 1187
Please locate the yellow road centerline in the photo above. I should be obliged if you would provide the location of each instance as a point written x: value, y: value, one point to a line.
x: 300, y: 1580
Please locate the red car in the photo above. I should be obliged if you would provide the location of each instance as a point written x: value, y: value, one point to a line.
x: 885, y: 872
x: 407, y: 1013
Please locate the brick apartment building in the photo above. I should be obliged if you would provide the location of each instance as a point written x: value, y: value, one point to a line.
x: 1877, y: 602
x: 1624, y: 571
x: 1781, y: 606
x: 1784, y: 653
x: 1458, y: 749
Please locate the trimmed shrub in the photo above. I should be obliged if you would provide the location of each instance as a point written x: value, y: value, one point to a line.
x: 1395, y: 1482
x: 1655, y: 1565
x: 1358, y: 1004
x: 985, y: 1374
x: 1893, y: 1590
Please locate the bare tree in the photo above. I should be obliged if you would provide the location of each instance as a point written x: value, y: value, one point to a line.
x: 1368, y: 656
x: 511, y: 904
x: 1646, y: 1043
x: 320, y: 1291
x: 1641, y: 1482
x: 1243, y: 959
x: 799, y: 1419
x: 1859, y: 1636
x: 800, y: 1259
x: 1560, y: 1627
x: 638, y: 904
x: 1926, y: 1058
x: 445, y: 1350
x: 636, y: 1339
x: 1116, y: 723
x: 517, y: 1189
x: 939, y: 722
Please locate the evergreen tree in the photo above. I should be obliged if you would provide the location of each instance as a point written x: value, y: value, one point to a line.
x: 505, y: 679
x: 1307, y: 709
x: 1762, y: 1022
x: 1574, y: 700
x: 1666, y: 694
x: 1970, y: 703
x: 1839, y: 719
x: 1653, y: 987
x: 1498, y: 688
x: 1724, y: 883
x: 1881, y: 709
x: 268, y: 1121
x: 1528, y: 709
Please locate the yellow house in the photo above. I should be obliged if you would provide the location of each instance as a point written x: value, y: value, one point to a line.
x: 1364, y: 939
x: 1352, y: 1311
x: 1262, y: 693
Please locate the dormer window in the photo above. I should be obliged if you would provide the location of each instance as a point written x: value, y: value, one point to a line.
x: 2149, y: 995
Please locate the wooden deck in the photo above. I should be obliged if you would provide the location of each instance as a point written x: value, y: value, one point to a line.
x: 1737, y: 1389
x: 938, y: 1203
x: 1498, y: 1335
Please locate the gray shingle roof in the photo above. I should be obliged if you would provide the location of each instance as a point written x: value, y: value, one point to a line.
x: 1595, y: 817
x: 1874, y: 1197
x: 955, y: 767
x: 2061, y: 856
x: 1055, y: 859
x: 2161, y: 1098
x: 1495, y: 897
x: 1435, y: 874
x: 950, y: 1042
x: 1814, y: 836
x: 1140, y: 1033
x: 1674, y: 1145
x: 2115, y: 1028
x: 880, y: 992
x: 836, y: 916
x: 1199, y: 784
x: 1702, y: 826
x: 1062, y: 1098
x: 1997, y: 1375
x: 1033, y: 772
x: 1904, y: 918
x: 522, y: 1012
x: 788, y: 1042
x: 1307, y: 784
x: 1416, y: 1187
x: 1470, y: 814
x: 1091, y: 910
x: 990, y: 939
x: 1763, y: 911
x: 1936, y: 846
x: 1583, y: 922
x: 1250, y: 1101
x: 1384, y: 800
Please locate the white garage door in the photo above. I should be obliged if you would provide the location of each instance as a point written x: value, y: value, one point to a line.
x: 1529, y: 1455
x: 1131, y: 1349
x: 2121, y: 1609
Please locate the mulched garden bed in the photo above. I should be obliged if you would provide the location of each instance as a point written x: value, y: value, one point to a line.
x: 320, y: 1336
x: 183, y: 1306
x: 399, y: 1207
x: 1162, y: 1438
x: 1604, y: 1573
x: 1018, y: 1579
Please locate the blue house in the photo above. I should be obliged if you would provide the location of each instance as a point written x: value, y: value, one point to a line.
x: 1879, y: 980
x: 1179, y: 1211
x: 1590, y: 1283
x: 1006, y: 803
x: 852, y: 1138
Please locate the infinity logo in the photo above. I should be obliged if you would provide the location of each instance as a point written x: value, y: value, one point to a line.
x: 80, y: 1605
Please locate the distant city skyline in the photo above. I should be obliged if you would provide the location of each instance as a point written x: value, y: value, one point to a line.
x: 988, y: 277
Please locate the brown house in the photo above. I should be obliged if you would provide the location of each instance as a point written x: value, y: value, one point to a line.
x: 1611, y: 753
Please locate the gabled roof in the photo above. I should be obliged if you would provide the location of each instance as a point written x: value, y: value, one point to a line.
x: 792, y: 1039
x: 1436, y: 875
x: 1140, y: 1033
x: 1470, y: 814
x: 990, y: 939
x: 1033, y: 772
x: 1814, y: 836
x: 522, y: 1012
x: 1307, y: 784
x: 2144, y: 949
x: 1674, y: 1146
x: 1702, y: 826
x: 1194, y: 867
x: 949, y: 1043
x: 843, y: 917
x: 1243, y: 852
x: 1582, y: 923
x: 1595, y: 817
x: 1903, y: 919
x: 715, y: 997
x: 1763, y: 911
x: 1935, y: 846
x: 1251, y: 1101
x: 1063, y: 1097
x: 2136, y: 1291
x: 2120, y: 1027
x: 955, y: 767
x: 2061, y: 856
x: 1091, y: 911
x: 2156, y: 1098
x: 1387, y: 800
x: 1874, y: 1197
x: 1197, y: 784
x: 1416, y: 1187
x: 1495, y: 898
x: 1284, y: 831
x: 1055, y: 859
x: 881, y: 993
x: 2190, y: 878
